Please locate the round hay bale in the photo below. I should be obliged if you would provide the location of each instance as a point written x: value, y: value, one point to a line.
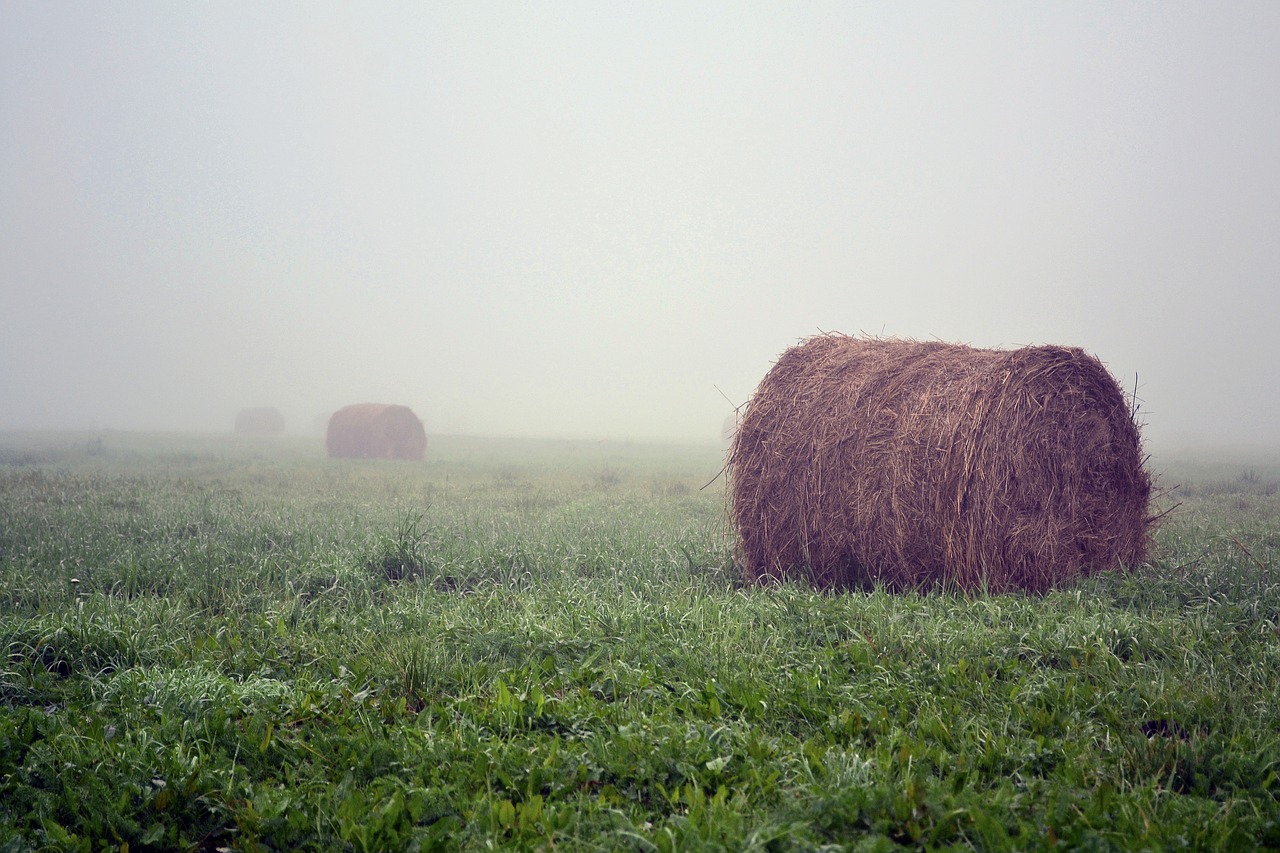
x: 260, y: 420
x: 375, y: 431
x: 862, y: 461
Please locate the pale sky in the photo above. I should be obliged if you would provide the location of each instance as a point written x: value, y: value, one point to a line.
x: 590, y: 219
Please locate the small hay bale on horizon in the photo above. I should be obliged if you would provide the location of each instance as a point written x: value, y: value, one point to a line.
x: 259, y: 420
x: 916, y: 464
x: 375, y: 431
x: 729, y: 427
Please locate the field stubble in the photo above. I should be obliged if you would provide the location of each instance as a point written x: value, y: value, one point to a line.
x: 216, y: 643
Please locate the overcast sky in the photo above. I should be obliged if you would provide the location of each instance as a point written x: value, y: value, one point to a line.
x: 590, y: 219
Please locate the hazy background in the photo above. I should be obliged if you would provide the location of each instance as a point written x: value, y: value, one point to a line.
x: 583, y: 219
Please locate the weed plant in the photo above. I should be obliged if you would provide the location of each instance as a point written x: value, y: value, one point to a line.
x: 217, y: 644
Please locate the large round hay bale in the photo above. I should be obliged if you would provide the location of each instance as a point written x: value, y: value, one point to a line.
x: 862, y: 461
x: 259, y: 420
x: 375, y: 431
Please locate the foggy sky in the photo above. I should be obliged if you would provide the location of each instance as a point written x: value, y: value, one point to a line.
x: 590, y: 219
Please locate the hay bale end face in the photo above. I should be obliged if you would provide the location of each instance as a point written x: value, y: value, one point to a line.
x: 260, y: 420
x: 862, y: 461
x: 375, y: 431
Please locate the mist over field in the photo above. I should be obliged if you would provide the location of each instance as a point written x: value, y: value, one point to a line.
x: 606, y: 221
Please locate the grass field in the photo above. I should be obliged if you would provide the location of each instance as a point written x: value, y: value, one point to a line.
x: 215, y: 643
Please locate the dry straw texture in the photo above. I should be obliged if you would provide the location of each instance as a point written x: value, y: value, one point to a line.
x: 375, y: 431
x: 911, y: 464
x: 262, y: 420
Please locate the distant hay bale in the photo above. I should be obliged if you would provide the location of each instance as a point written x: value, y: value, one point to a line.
x: 260, y: 420
x: 911, y: 464
x: 729, y: 428
x: 375, y: 431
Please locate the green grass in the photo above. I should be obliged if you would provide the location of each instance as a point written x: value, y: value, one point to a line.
x: 220, y: 643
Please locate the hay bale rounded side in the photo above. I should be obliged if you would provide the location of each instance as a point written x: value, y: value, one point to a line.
x: 375, y: 431
x: 259, y: 420
x: 862, y: 461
